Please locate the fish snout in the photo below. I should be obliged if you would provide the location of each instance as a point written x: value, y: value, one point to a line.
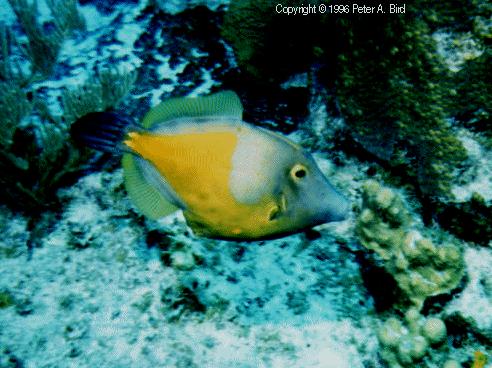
x: 336, y: 206
x: 341, y: 210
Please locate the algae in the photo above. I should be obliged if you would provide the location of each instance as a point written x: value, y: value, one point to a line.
x: 6, y: 299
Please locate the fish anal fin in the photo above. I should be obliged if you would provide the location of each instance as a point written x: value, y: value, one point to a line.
x: 145, y: 197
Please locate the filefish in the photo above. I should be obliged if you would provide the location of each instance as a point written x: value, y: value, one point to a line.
x: 232, y: 180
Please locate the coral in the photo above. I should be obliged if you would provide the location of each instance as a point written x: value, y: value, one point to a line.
x: 420, y: 267
x: 30, y: 167
x: 394, y: 93
x: 36, y: 155
x: 400, y: 100
x: 10, y: 71
x: 264, y: 41
x: 42, y: 47
x: 66, y: 16
x: 406, y: 342
x: 473, y: 101
x: 103, y: 91
x: 14, y: 106
x: 177, y: 6
x: 469, y: 220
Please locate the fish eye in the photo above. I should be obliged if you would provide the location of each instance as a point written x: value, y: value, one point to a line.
x: 298, y: 172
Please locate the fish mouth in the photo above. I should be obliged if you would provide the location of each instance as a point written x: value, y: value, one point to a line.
x: 337, y: 210
x: 341, y: 212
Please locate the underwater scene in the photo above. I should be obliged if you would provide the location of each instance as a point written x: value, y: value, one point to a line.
x: 245, y: 183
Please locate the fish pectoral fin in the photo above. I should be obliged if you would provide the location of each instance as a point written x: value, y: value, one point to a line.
x: 226, y: 103
x: 147, y: 198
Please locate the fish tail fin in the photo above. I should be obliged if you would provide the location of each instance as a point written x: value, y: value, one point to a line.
x: 103, y: 131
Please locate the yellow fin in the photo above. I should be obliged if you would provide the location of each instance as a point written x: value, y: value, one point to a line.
x: 147, y: 199
x: 225, y: 103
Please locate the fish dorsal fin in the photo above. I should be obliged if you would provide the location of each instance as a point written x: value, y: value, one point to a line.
x: 226, y: 103
x: 145, y: 196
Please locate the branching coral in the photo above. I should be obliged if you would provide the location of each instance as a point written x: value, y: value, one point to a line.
x: 14, y: 104
x: 36, y: 164
x: 31, y: 151
x: 41, y: 157
x: 420, y: 267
